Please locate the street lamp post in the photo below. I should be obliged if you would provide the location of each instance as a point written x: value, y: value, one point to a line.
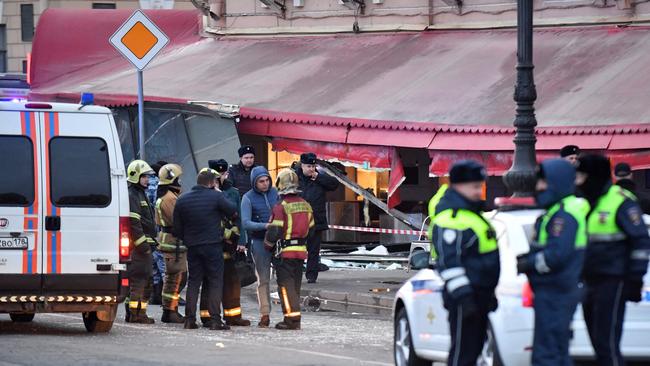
x: 520, y: 179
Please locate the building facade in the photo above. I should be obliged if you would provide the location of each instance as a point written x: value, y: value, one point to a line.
x: 327, y: 16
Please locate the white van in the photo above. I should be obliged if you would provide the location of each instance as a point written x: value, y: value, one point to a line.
x: 64, y: 212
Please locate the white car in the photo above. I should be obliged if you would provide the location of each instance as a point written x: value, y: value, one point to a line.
x: 422, y: 332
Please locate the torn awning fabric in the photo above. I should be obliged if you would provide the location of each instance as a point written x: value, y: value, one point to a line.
x: 378, y: 157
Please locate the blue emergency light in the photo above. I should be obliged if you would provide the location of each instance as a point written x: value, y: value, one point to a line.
x: 87, y: 98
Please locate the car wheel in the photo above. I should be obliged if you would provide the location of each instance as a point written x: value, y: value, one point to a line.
x: 403, y: 343
x: 490, y: 353
x: 21, y: 318
x: 94, y: 325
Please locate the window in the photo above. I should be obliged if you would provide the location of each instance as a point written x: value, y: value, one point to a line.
x: 79, y: 172
x: 17, y: 183
x: 103, y: 6
x: 3, y: 48
x: 27, y: 22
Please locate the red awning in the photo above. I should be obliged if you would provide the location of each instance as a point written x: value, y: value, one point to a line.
x: 497, y: 163
x: 384, y: 157
x: 71, y: 51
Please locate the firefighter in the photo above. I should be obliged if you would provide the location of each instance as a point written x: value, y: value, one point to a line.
x: 143, y: 232
x: 174, y: 253
x: 467, y: 259
x: 554, y: 263
x: 616, y: 258
x: 232, y: 312
x: 292, y: 220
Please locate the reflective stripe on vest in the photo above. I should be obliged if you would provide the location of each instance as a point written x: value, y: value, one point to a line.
x: 601, y: 223
x: 465, y: 219
x: 578, y: 208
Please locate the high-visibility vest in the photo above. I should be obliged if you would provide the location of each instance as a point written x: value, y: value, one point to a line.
x: 578, y: 208
x: 432, y: 213
x: 601, y: 223
x: 465, y: 219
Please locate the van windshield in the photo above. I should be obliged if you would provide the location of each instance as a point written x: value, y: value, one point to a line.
x: 16, y: 171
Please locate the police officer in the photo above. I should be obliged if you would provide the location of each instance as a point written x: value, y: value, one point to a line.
x: 240, y: 173
x: 554, y: 263
x: 570, y: 153
x: 143, y: 232
x: 174, y: 253
x: 467, y: 259
x: 616, y: 258
x: 292, y: 220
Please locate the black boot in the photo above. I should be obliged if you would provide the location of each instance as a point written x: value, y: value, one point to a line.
x: 140, y: 316
x: 289, y: 324
x: 172, y: 316
x: 219, y: 325
x: 190, y: 324
x: 156, y: 295
x: 238, y: 322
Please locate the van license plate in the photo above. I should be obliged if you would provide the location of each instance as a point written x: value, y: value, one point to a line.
x: 19, y: 242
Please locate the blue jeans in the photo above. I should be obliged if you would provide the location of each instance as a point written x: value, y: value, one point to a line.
x: 205, y: 262
x: 158, y: 267
x: 262, y: 259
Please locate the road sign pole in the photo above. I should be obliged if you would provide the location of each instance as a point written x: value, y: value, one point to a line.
x: 140, y: 115
x: 139, y: 40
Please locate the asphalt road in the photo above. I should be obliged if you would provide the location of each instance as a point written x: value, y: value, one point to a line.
x: 326, y: 338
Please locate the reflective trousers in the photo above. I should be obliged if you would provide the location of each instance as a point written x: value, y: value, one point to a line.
x: 139, y: 270
x: 289, y: 273
x: 174, y: 270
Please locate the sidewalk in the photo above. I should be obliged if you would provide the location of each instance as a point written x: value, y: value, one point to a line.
x: 355, y: 287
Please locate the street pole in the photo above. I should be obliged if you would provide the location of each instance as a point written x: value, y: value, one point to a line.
x: 521, y: 177
x: 140, y: 116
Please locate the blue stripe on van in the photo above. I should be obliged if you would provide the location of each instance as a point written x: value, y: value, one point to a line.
x: 53, y: 208
x: 30, y: 225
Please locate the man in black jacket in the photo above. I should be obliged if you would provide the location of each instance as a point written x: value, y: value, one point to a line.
x: 314, y: 186
x: 240, y: 174
x: 196, y: 219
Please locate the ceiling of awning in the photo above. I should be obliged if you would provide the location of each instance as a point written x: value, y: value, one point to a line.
x: 585, y: 76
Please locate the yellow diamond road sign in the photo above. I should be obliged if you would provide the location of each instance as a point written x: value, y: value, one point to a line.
x: 139, y: 40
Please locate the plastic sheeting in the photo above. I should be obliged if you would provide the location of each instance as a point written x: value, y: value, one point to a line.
x: 178, y: 134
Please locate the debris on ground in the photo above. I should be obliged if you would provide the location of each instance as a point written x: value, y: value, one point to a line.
x: 379, y: 250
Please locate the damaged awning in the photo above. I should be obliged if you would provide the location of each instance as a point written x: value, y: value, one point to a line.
x: 368, y: 156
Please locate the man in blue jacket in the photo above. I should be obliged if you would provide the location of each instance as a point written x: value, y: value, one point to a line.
x: 554, y: 263
x: 196, y: 222
x: 256, y: 207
